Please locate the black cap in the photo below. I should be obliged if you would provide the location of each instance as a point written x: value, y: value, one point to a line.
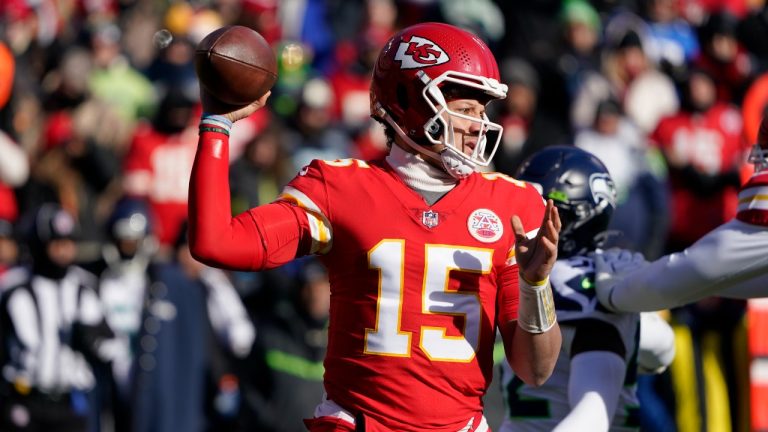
x: 723, y: 23
x: 630, y: 40
x: 51, y: 222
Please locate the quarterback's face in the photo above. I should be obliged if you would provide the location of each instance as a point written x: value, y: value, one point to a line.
x: 466, y: 132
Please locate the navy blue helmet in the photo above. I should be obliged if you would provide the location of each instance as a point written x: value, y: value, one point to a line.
x: 47, y: 223
x: 41, y: 227
x: 130, y: 220
x: 581, y: 189
x: 129, y: 230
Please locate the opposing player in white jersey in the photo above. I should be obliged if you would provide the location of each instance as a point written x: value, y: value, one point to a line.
x: 730, y: 261
x: 593, y: 386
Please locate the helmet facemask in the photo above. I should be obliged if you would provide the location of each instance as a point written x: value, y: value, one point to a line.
x: 439, y: 129
x: 584, y: 225
x: 759, y: 157
x: 759, y: 153
x: 131, y: 244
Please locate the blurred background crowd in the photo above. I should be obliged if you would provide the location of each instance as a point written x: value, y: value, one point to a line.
x: 98, y: 129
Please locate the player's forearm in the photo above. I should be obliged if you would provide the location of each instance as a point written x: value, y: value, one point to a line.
x: 718, y: 264
x: 209, y: 202
x: 261, y: 238
x: 670, y: 282
x: 656, y: 287
x: 212, y: 233
x: 531, y: 355
x: 532, y: 341
x: 747, y: 289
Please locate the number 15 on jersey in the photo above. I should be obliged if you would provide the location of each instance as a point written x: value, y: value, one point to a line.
x: 388, y: 338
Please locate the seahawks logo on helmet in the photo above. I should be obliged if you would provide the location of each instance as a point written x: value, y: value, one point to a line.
x: 603, y: 188
x: 582, y: 190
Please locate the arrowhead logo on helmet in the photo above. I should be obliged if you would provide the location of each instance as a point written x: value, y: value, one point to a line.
x: 419, y: 52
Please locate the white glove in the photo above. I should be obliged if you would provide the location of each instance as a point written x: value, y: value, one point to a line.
x: 612, y: 266
x: 657, y: 344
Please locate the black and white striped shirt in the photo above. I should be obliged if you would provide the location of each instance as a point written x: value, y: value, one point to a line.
x: 50, y: 324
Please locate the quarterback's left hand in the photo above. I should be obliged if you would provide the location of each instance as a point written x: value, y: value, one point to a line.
x: 536, y: 256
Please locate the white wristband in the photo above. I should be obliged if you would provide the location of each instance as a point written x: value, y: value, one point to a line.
x: 536, y: 313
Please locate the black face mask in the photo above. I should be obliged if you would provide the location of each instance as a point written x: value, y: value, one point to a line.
x: 174, y: 113
x: 173, y: 120
x: 42, y: 265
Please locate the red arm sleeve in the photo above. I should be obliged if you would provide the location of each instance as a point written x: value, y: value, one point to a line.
x: 261, y: 238
x: 508, y: 296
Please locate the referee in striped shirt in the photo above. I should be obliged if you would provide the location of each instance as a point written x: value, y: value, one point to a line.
x: 51, y: 325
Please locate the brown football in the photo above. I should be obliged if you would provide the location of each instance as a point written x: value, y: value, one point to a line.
x: 235, y: 65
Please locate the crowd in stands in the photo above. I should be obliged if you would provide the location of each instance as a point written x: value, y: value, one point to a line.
x: 99, y: 112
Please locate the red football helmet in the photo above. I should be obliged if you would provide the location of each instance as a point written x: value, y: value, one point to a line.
x: 759, y: 153
x: 406, y: 91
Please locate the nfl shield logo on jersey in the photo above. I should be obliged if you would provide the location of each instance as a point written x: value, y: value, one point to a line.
x: 485, y: 226
x: 429, y: 219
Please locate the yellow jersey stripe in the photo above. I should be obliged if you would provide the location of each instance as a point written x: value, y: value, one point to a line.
x: 320, y: 228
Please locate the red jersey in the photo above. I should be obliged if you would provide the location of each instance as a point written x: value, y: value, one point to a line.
x: 416, y: 290
x: 157, y: 167
x: 712, y: 143
x: 730, y: 77
x: 8, y: 207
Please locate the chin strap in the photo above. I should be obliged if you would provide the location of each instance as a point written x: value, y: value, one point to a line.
x: 456, y: 166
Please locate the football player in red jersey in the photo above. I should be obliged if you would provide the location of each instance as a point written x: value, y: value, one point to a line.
x: 427, y: 256
x: 729, y: 261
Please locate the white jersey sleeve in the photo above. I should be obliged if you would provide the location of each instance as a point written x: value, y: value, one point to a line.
x: 590, y: 333
x: 724, y: 263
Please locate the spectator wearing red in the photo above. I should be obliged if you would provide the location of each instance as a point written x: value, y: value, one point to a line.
x: 724, y: 58
x: 351, y: 82
x: 14, y: 167
x: 159, y: 161
x: 703, y: 147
